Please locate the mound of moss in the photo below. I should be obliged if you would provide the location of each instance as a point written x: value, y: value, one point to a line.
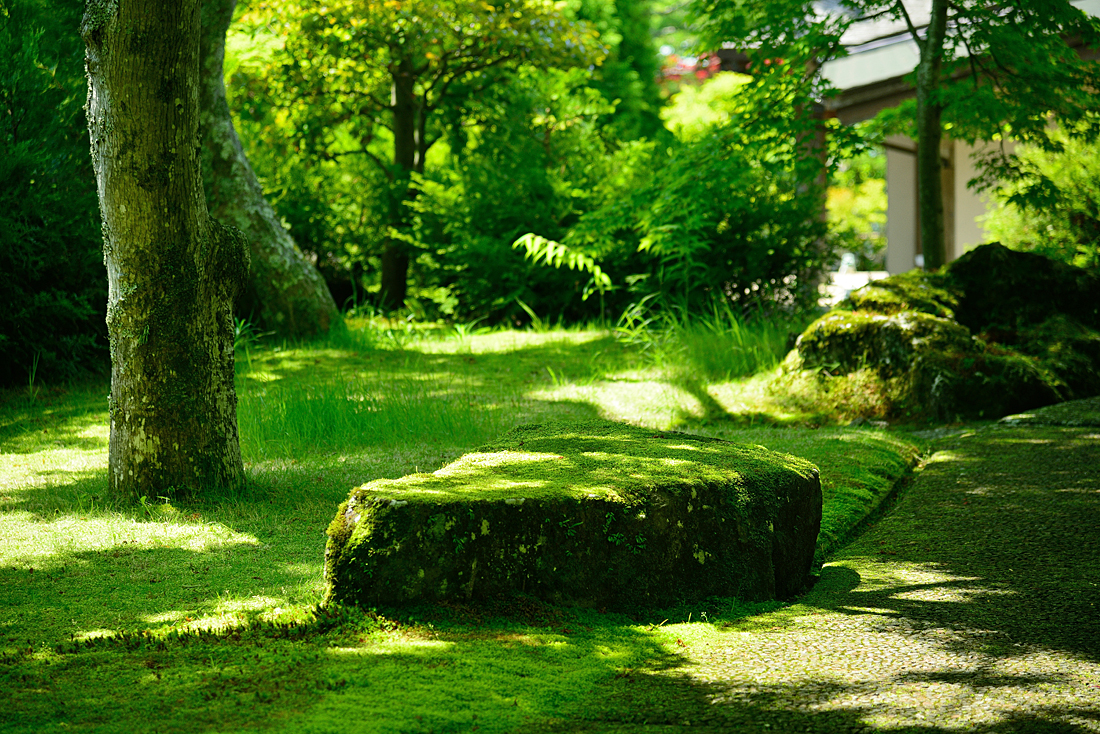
x: 593, y: 513
x: 994, y: 332
x: 1074, y: 413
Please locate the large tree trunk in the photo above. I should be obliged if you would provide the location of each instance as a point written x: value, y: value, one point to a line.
x: 173, y: 272
x: 929, y: 134
x: 286, y: 293
x: 407, y: 158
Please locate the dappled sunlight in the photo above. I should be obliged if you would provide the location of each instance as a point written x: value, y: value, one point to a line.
x: 689, y: 447
x: 927, y: 583
x: 504, y: 342
x: 55, y: 463
x: 595, y: 461
x: 236, y: 606
x: 878, y: 576
x: 911, y: 631
x: 752, y: 401
x: 223, y: 614
x: 45, y: 543
x: 391, y: 645
x: 310, y: 571
x: 951, y: 457
x: 497, y: 458
x: 950, y: 595
x: 652, y: 403
x: 840, y: 665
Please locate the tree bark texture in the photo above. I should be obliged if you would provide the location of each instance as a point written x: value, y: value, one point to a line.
x: 285, y: 293
x: 173, y: 272
x: 929, y: 135
x: 408, y: 119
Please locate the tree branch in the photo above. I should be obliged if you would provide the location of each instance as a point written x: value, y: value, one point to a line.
x: 464, y: 70
x: 386, y: 171
x: 909, y: 23
x: 872, y: 16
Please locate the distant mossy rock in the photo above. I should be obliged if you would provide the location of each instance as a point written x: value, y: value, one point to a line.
x: 995, y: 332
x: 913, y: 291
x: 1005, y: 289
x: 927, y: 364
x: 850, y: 340
x: 593, y: 513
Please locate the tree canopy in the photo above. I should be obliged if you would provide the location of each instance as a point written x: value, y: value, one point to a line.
x: 990, y: 70
x: 358, y: 72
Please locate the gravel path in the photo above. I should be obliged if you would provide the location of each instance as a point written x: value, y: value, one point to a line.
x: 974, y: 606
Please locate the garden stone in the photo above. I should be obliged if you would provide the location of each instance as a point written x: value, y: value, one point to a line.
x: 995, y: 332
x: 596, y: 513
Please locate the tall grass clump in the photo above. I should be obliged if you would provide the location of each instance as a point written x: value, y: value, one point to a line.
x: 294, y: 417
x: 716, y: 345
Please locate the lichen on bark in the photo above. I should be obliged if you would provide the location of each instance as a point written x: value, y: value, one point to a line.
x: 173, y: 272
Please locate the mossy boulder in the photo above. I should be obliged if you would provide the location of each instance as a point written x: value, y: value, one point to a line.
x: 850, y: 340
x: 1005, y: 290
x: 995, y: 332
x: 592, y: 513
x: 916, y: 290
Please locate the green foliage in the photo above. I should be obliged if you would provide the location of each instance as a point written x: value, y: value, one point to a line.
x: 717, y: 345
x: 1052, y: 206
x: 52, y: 281
x: 730, y: 213
x: 536, y: 162
x: 857, y: 208
x: 366, y: 94
x: 695, y: 110
x: 971, y: 78
x: 539, y: 249
x: 627, y: 77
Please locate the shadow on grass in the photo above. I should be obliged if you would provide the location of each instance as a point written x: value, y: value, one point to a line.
x: 989, y: 563
x: 58, y: 418
x: 994, y: 544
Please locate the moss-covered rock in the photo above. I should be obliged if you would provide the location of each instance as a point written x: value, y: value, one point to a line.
x: 916, y: 290
x: 1069, y: 350
x: 1074, y: 413
x: 995, y: 332
x: 850, y: 340
x: 593, y: 513
x: 1005, y: 289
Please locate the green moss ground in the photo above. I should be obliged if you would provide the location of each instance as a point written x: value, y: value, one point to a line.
x: 593, y: 459
x: 75, y: 566
x: 974, y: 606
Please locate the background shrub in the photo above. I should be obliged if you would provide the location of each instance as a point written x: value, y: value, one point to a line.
x: 53, y: 285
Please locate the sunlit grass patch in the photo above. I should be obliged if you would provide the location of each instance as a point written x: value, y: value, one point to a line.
x: 650, y: 403
x: 315, y: 420
x: 299, y: 416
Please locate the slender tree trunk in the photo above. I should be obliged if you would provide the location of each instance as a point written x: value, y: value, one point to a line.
x: 173, y: 272
x: 395, y: 253
x: 286, y: 292
x: 929, y: 134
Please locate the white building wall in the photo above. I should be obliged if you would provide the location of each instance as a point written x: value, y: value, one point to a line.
x: 969, y: 204
x: 963, y: 211
x: 901, y: 204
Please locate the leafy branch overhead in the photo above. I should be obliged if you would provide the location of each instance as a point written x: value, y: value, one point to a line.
x: 986, y: 71
x: 347, y: 61
x: 357, y: 71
